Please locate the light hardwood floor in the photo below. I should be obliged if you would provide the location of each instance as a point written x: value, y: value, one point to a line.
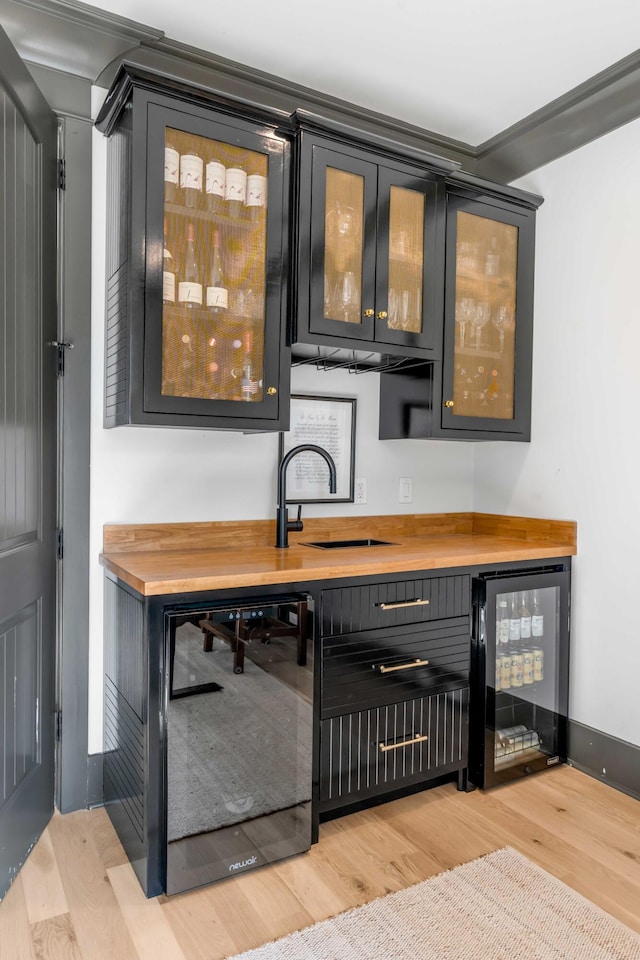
x: 77, y: 897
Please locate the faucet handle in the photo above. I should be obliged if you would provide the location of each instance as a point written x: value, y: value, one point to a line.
x: 296, y: 524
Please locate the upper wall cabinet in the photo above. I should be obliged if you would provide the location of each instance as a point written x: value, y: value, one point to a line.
x: 369, y: 246
x: 197, y: 259
x: 481, y: 389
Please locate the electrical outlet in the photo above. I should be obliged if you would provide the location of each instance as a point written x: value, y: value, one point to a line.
x: 360, y: 490
x: 405, y: 490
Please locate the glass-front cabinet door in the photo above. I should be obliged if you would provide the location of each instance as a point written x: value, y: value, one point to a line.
x: 343, y: 249
x: 372, y: 279
x: 214, y: 268
x: 197, y: 257
x: 488, y: 318
x: 525, y: 674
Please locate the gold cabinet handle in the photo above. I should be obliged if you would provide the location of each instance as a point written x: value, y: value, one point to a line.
x: 401, y: 666
x: 369, y: 312
x: 272, y: 391
x: 448, y: 403
x: 403, y: 603
x: 383, y: 315
x: 383, y: 747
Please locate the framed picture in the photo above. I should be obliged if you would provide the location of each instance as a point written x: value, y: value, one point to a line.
x: 328, y: 422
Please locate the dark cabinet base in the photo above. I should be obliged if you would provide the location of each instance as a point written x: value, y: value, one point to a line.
x: 374, y: 752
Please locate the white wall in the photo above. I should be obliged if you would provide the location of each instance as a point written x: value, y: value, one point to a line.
x: 148, y: 474
x: 582, y: 462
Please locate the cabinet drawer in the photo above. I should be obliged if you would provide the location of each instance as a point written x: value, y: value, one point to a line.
x: 372, y: 752
x: 374, y: 668
x: 372, y: 606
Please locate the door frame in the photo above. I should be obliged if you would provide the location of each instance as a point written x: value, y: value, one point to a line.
x: 78, y: 778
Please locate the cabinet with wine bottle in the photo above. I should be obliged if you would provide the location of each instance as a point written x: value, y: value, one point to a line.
x: 481, y: 389
x: 197, y: 258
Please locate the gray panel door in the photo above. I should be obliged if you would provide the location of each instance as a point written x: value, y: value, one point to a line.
x: 27, y: 461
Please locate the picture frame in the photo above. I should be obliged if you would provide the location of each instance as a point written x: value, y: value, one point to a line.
x: 328, y: 422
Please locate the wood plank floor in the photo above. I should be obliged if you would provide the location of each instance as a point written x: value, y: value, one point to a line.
x: 78, y: 898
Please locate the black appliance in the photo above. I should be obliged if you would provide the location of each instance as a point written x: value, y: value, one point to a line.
x: 520, y: 672
x: 239, y: 737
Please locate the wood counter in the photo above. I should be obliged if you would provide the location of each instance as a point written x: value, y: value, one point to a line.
x: 158, y: 559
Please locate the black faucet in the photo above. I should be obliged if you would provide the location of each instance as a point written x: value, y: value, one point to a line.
x: 283, y: 524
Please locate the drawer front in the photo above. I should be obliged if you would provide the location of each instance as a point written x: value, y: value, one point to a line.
x: 372, y: 606
x: 374, y: 668
x: 371, y: 752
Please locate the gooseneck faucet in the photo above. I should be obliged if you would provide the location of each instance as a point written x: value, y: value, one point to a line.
x: 283, y: 524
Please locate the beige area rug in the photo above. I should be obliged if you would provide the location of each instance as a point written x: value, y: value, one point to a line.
x: 499, y: 907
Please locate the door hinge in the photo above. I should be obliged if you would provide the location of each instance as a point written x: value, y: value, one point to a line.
x: 62, y: 175
x: 61, y: 346
x: 59, y: 543
x: 58, y: 725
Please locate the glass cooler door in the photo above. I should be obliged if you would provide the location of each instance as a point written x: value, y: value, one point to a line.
x: 521, y: 675
x: 239, y: 733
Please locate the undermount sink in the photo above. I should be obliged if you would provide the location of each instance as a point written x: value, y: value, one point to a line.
x: 337, y: 544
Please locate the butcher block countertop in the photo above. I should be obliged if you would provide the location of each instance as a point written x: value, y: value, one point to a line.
x: 157, y: 559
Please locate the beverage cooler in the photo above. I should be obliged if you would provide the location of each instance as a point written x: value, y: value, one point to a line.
x: 520, y: 672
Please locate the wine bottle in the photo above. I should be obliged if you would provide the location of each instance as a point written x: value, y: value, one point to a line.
x: 502, y: 622
x: 190, y: 285
x: 191, y: 179
x: 493, y: 389
x: 215, y: 176
x: 168, y: 271
x: 171, y: 172
x: 525, y: 618
x: 492, y: 262
x: 217, y: 292
x: 514, y: 621
x: 256, y: 201
x: 248, y: 379
x: 235, y: 190
x: 537, y: 616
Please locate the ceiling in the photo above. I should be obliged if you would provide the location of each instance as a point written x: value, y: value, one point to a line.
x: 466, y: 71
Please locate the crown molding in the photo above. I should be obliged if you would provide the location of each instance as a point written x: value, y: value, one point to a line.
x: 81, y: 40
x: 591, y: 110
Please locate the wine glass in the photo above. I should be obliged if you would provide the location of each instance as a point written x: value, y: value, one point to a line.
x: 502, y: 321
x: 464, y: 313
x: 347, y: 296
x: 393, y: 322
x: 340, y: 222
x: 480, y: 317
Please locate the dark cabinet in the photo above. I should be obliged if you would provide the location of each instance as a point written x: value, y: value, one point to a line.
x: 369, y: 250
x: 481, y: 388
x: 197, y: 259
x: 394, y: 686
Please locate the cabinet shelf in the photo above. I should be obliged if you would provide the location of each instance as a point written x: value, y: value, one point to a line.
x: 219, y: 219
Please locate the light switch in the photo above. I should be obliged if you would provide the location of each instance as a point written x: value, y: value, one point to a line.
x: 405, y: 492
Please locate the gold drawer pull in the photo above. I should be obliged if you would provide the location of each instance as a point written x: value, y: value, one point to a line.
x: 405, y: 743
x: 403, y: 603
x: 401, y: 666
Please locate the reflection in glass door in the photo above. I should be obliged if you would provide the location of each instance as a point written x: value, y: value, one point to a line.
x: 239, y: 738
x: 214, y: 269
x: 485, y: 318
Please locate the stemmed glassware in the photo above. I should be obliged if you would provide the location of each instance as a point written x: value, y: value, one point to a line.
x: 464, y: 313
x: 480, y: 317
x: 347, y: 297
x: 502, y: 320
